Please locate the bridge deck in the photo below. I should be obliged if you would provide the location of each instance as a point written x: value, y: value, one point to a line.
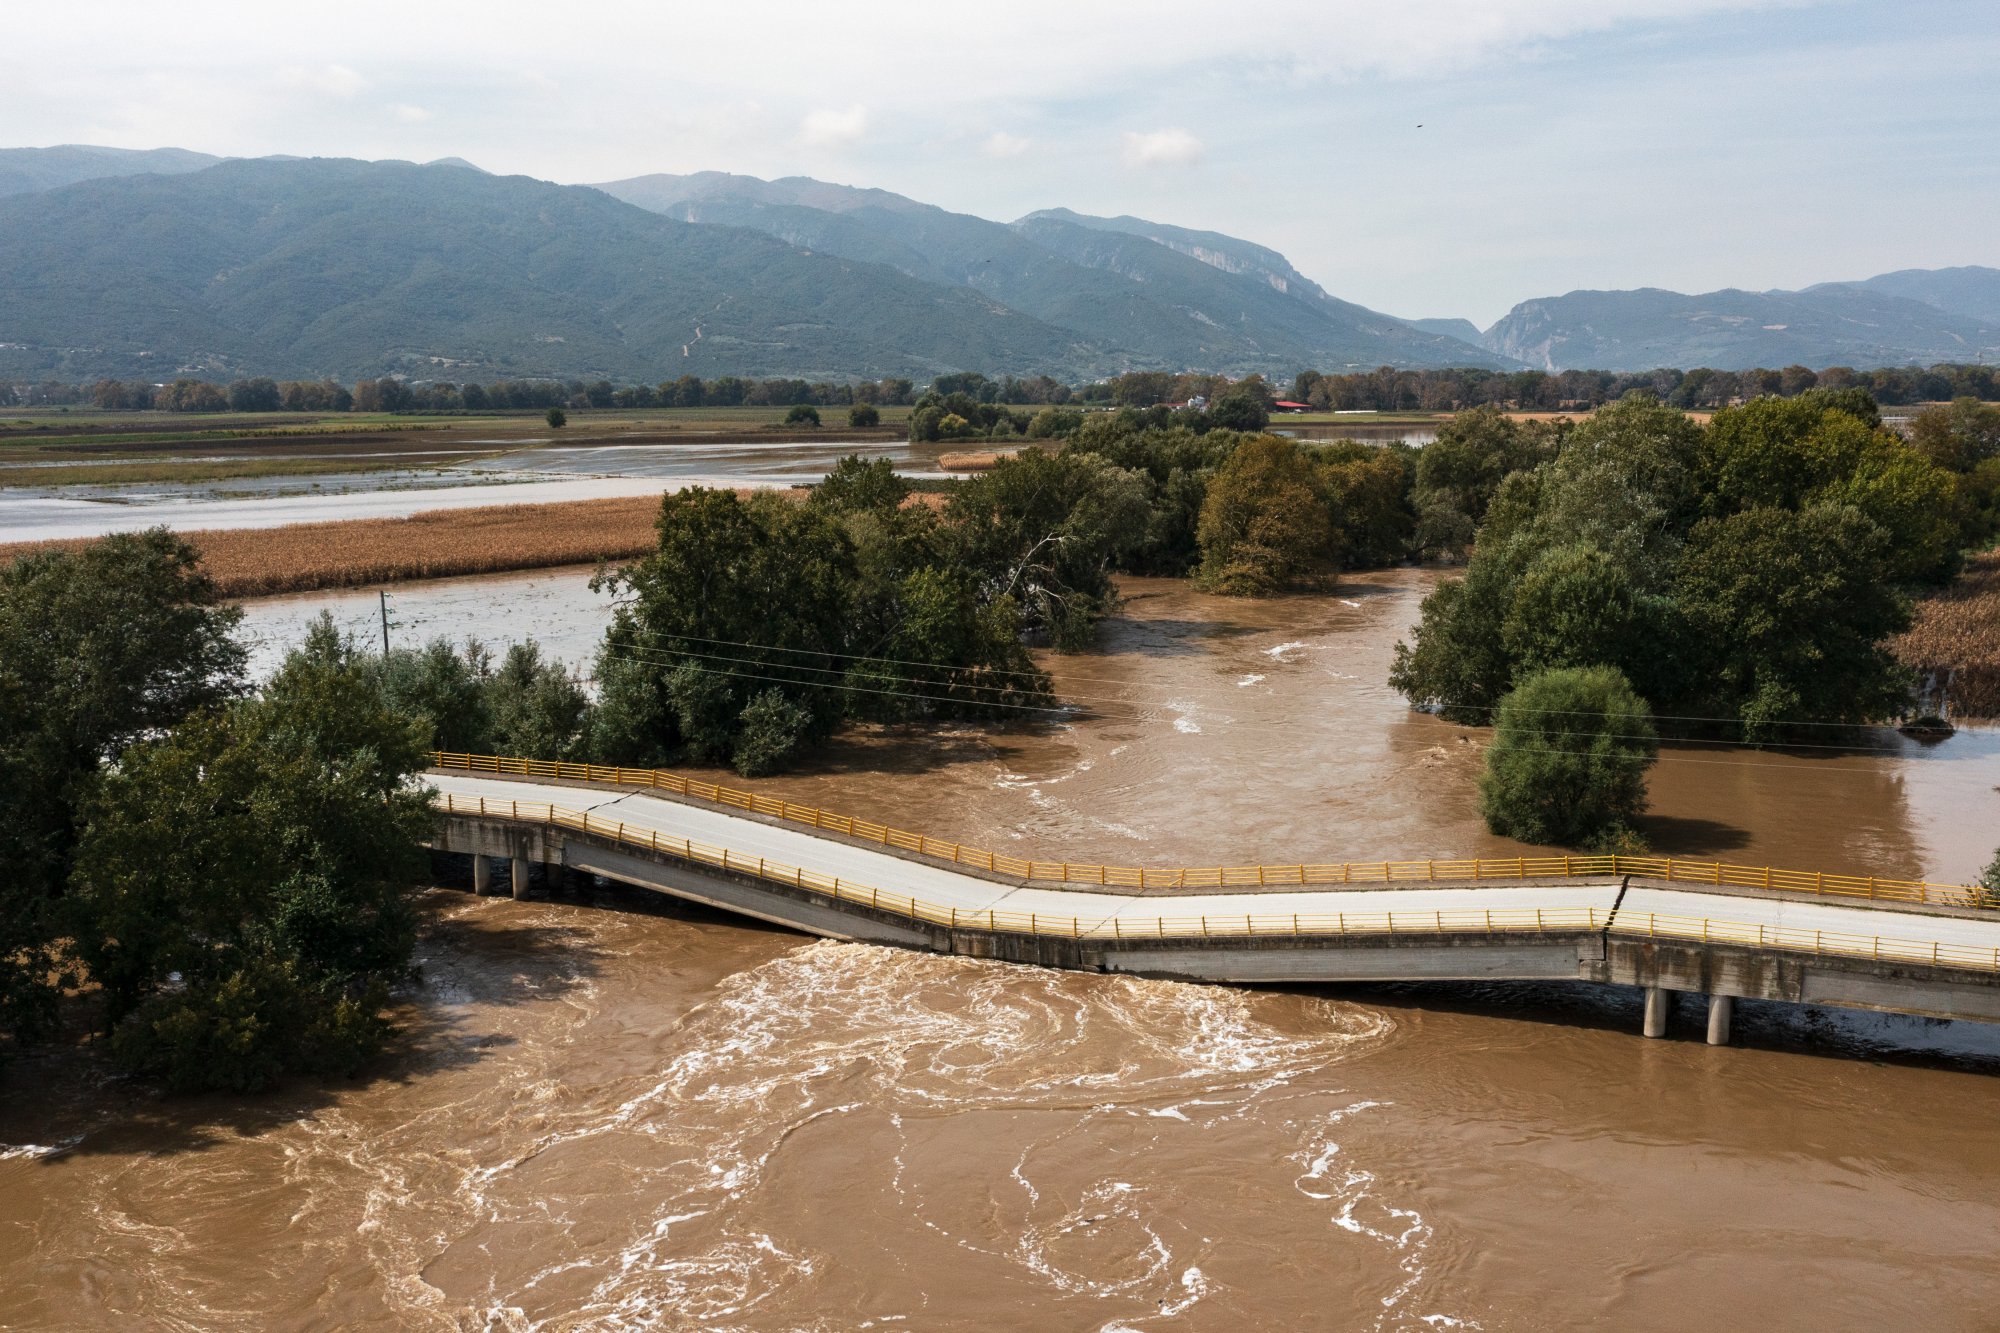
x: 1643, y: 910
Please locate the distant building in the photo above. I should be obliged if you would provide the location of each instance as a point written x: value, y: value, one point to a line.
x: 1287, y: 405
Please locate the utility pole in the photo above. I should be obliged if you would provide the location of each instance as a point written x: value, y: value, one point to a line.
x: 385, y: 624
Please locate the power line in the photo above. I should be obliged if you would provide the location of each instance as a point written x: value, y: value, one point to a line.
x: 1142, y: 717
x: 1110, y: 680
x: 663, y: 654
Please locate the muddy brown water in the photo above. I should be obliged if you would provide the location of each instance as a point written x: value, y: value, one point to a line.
x: 612, y: 1112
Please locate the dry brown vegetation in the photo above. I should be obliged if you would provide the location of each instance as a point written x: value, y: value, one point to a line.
x: 970, y: 462
x: 1955, y: 641
x: 251, y: 562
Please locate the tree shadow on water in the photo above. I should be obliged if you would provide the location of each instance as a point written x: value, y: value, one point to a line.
x: 468, y: 966
x: 1680, y: 835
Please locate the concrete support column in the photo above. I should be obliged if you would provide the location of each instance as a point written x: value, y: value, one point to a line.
x: 1656, y: 1011
x: 482, y: 875
x: 520, y: 877
x: 1720, y: 1009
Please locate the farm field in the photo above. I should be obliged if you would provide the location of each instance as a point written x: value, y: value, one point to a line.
x: 253, y: 562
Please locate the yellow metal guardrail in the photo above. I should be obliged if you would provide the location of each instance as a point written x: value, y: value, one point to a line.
x: 1829, y: 942
x: 1227, y: 925
x: 1675, y: 869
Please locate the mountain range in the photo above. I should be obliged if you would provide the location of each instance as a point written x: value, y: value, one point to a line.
x: 162, y: 262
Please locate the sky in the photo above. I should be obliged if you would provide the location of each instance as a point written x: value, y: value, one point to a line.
x: 1423, y: 157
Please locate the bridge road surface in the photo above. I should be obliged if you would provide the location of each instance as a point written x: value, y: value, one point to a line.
x: 944, y: 887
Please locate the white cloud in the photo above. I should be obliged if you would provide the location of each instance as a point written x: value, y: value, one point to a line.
x: 1162, y: 148
x: 409, y: 115
x: 1002, y: 144
x: 830, y: 128
x: 333, y: 80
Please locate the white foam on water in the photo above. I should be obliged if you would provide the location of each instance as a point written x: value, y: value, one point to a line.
x: 36, y: 1151
x: 1282, y: 652
x: 1248, y: 680
x: 1401, y: 1231
x: 824, y: 1032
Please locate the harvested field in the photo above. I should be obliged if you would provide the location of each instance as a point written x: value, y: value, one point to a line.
x: 1955, y: 641
x: 438, y: 543
x: 979, y: 462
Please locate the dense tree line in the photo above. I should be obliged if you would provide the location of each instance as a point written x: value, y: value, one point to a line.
x: 1747, y: 571
x: 1390, y: 390
x: 1383, y: 390
x: 261, y: 394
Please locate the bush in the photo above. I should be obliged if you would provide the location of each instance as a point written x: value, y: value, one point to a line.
x: 1989, y: 884
x: 863, y: 416
x: 1568, y: 762
x: 771, y: 730
x: 1054, y: 422
x: 802, y: 414
x: 558, y: 418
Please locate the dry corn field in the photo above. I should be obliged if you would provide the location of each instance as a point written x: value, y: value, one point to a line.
x: 252, y: 562
x: 1955, y: 641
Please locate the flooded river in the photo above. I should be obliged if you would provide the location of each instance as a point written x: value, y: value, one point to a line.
x: 523, y: 476
x: 612, y: 1113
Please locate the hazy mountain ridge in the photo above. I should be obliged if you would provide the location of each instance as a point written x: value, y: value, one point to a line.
x: 1855, y: 324
x: 1166, y: 297
x: 29, y: 170
x: 348, y: 268
x: 157, y: 266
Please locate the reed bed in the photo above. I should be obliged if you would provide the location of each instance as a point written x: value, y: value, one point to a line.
x: 438, y: 543
x: 1955, y: 641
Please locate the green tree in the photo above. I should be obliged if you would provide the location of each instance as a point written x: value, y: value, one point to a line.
x: 241, y: 890
x: 1567, y: 766
x: 1369, y: 488
x: 739, y: 596
x: 99, y: 648
x: 1789, y: 453
x: 802, y: 414
x: 538, y: 708
x: 855, y: 484
x: 1054, y: 422
x: 440, y: 687
x: 1791, y: 610
x: 1267, y: 522
x: 254, y: 395
x: 557, y: 418
x: 1459, y: 472
x: 1959, y: 436
x: 1240, y: 410
x: 863, y: 416
x: 1046, y: 531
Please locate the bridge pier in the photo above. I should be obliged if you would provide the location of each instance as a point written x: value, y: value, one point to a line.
x: 520, y: 869
x: 1720, y: 1009
x: 1657, y: 1001
x: 482, y: 875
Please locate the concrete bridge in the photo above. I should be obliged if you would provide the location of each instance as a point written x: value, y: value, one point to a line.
x: 1702, y: 927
